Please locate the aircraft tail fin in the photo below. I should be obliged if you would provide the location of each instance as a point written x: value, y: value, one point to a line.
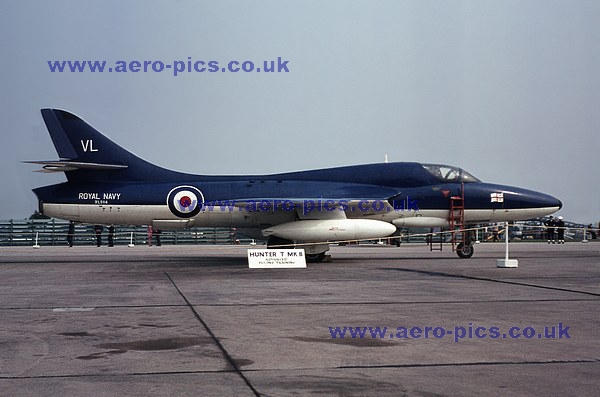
x: 87, y: 155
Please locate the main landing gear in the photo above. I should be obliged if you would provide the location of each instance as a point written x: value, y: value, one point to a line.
x: 314, y: 253
x: 280, y: 243
x: 314, y: 258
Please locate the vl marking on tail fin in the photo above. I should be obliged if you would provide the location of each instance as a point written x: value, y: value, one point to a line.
x: 88, y: 145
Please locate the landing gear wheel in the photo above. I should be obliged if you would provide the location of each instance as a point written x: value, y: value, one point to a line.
x: 280, y: 243
x: 314, y: 258
x: 465, y: 250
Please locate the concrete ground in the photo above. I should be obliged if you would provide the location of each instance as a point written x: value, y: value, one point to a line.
x: 194, y: 320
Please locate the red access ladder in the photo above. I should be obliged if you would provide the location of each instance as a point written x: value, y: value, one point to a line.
x: 456, y: 218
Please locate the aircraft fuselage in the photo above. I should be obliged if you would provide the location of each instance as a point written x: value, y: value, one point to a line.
x: 234, y: 201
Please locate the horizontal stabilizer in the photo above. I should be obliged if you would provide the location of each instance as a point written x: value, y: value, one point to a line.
x: 66, y: 165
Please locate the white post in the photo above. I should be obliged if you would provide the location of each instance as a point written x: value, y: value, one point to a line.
x: 584, y: 236
x: 506, y: 262
x: 36, y: 245
x: 506, y: 240
x: 131, y: 241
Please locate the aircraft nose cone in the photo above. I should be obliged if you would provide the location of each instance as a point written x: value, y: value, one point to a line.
x: 546, y: 201
x: 522, y: 198
x: 522, y: 203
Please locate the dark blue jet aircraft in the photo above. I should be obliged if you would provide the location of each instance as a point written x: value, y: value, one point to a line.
x: 106, y: 184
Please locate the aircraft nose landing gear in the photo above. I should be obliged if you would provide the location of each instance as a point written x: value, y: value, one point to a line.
x: 465, y: 250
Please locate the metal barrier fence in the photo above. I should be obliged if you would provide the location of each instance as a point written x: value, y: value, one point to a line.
x: 53, y: 232
x: 49, y: 232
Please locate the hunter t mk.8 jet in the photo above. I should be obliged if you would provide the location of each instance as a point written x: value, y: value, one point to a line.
x: 106, y: 184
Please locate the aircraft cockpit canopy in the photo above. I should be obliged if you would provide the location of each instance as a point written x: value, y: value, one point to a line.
x: 450, y: 174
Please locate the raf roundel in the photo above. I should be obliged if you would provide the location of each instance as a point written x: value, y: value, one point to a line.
x: 185, y: 201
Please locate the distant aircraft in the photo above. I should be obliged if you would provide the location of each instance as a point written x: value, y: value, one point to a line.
x: 106, y: 184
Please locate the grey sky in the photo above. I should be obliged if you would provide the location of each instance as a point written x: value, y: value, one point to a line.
x: 508, y: 90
